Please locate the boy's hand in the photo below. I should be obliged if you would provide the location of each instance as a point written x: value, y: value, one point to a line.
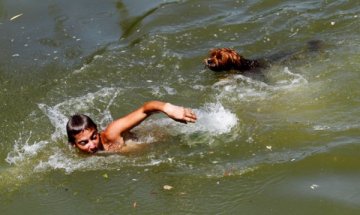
x: 179, y: 114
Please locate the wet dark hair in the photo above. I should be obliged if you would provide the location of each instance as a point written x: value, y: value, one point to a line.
x: 78, y: 123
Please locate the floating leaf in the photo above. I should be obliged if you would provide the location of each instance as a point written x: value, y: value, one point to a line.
x: 105, y: 176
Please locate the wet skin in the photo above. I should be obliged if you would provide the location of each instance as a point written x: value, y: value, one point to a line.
x: 88, y: 141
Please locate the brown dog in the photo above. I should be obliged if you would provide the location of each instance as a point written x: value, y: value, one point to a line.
x: 224, y: 59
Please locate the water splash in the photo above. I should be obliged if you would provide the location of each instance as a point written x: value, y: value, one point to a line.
x: 58, y: 114
x: 24, y: 150
x: 242, y: 88
x: 213, y: 119
x: 292, y: 80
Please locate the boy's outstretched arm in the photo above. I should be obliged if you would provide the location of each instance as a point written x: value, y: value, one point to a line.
x: 126, y: 123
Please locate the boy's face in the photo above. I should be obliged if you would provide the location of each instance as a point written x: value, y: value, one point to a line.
x: 88, y: 141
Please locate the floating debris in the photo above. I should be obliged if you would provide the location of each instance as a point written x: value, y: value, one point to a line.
x: 168, y: 187
x: 314, y: 186
x: 250, y: 140
x: 14, y: 17
x: 269, y: 147
x: 105, y: 176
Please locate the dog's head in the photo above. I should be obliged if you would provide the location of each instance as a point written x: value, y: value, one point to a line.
x: 222, y: 59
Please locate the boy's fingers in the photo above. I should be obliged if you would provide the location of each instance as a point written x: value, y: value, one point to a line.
x: 189, y: 112
x: 193, y: 116
x: 190, y: 119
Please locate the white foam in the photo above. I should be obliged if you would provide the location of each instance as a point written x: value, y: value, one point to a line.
x: 57, y: 119
x: 292, y: 80
x: 162, y: 91
x: 24, y: 150
x: 321, y: 127
x: 63, y: 160
x: 170, y: 90
x: 239, y: 87
x: 59, y: 160
x: 213, y: 119
x: 338, y: 126
x: 58, y: 114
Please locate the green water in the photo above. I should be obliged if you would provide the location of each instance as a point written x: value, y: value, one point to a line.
x: 284, y: 143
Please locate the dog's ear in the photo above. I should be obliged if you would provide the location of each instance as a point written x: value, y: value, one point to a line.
x: 212, y: 52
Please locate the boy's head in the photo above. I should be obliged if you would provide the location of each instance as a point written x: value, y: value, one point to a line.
x: 82, y: 132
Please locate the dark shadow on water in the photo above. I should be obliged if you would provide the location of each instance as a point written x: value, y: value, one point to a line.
x: 129, y: 24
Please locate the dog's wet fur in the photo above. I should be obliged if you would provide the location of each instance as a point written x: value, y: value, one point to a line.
x: 227, y: 59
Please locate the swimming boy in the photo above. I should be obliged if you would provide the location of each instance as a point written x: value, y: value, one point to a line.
x: 83, y: 133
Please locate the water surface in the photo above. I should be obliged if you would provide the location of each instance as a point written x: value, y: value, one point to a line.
x: 284, y: 143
